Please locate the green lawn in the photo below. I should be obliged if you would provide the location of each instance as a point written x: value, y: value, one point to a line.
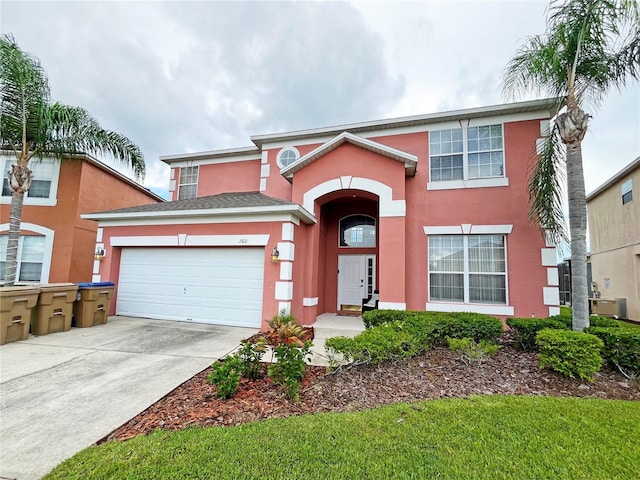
x: 493, y: 437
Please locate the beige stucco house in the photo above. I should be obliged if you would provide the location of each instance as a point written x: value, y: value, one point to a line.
x: 614, y: 233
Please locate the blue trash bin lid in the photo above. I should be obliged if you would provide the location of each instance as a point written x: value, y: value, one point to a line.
x: 96, y: 284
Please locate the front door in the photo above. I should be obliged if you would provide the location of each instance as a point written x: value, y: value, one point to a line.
x: 356, y: 278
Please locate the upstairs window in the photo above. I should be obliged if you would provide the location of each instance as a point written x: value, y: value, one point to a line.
x: 30, y: 257
x: 627, y: 192
x: 43, y: 175
x: 466, y: 153
x: 188, y: 183
x: 358, y: 231
x: 287, y: 156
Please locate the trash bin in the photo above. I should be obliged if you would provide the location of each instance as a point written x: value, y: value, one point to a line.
x: 16, y: 304
x: 54, y: 309
x: 92, y: 303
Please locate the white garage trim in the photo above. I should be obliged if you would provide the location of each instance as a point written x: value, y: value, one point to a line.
x: 183, y: 239
x: 222, y: 286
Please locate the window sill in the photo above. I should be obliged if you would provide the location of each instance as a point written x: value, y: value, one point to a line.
x: 486, y: 309
x: 43, y: 202
x: 476, y: 183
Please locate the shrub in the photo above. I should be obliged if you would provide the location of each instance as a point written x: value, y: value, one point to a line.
x: 250, y: 356
x: 472, y: 352
x: 570, y: 353
x: 284, y: 328
x: 226, y: 376
x: 594, y: 321
x: 373, y: 318
x: 621, y: 348
x: 385, y: 342
x: 526, y: 329
x: 472, y: 325
x: 290, y: 367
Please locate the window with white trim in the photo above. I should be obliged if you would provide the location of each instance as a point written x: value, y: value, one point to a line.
x: 43, y: 174
x: 466, y: 153
x: 627, y: 191
x: 287, y: 156
x: 188, y: 187
x: 30, y: 257
x: 468, y: 269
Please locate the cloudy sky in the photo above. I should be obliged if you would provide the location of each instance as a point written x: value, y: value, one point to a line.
x: 180, y: 77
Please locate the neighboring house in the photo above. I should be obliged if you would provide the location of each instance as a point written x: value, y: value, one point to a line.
x: 614, y: 234
x: 56, y: 244
x: 431, y: 210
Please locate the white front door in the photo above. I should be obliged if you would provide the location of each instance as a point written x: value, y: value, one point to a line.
x: 356, y: 277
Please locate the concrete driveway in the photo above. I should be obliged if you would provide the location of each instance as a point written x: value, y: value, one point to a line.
x: 62, y: 392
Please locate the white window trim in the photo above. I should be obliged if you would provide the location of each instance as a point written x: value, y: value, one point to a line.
x: 466, y: 305
x: 467, y: 182
x: 188, y: 184
x: 625, y: 188
x: 48, y: 235
x: 284, y: 149
x: 5, y: 165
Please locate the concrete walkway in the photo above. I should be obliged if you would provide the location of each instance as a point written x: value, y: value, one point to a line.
x: 62, y: 392
x: 332, y: 325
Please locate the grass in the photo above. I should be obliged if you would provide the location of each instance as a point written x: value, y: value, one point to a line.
x: 492, y: 437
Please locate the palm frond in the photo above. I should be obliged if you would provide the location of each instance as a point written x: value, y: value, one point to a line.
x: 74, y: 130
x: 547, y: 177
x: 25, y: 94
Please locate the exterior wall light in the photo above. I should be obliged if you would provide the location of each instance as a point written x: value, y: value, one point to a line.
x: 275, y: 254
x: 99, y: 255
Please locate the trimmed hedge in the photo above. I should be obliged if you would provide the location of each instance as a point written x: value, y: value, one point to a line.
x: 594, y: 321
x: 377, y: 344
x: 621, y: 348
x: 526, y: 329
x: 439, y: 325
x: 397, y: 334
x: 570, y: 353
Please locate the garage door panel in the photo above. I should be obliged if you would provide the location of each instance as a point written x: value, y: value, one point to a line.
x: 209, y: 285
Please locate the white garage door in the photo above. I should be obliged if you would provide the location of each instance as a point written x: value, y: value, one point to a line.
x: 208, y: 285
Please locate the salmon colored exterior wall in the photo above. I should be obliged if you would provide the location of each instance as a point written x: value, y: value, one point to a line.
x: 401, y: 252
x: 82, y: 188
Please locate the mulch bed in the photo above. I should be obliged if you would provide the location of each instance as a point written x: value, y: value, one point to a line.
x: 439, y: 373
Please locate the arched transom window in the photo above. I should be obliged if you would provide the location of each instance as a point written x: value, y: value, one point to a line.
x: 358, y: 231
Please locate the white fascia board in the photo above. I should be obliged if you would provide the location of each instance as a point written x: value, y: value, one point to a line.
x: 212, y: 154
x: 212, y: 161
x: 295, y: 210
x: 128, y: 222
x: 408, y: 159
x: 537, y: 107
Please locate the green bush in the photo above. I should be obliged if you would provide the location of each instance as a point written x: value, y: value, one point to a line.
x: 472, y: 352
x: 290, y: 367
x: 621, y: 348
x: 385, y: 342
x: 226, y: 375
x: 594, y: 321
x: 526, y: 329
x: 570, y: 353
x: 250, y: 356
x: 373, y: 318
x: 471, y: 325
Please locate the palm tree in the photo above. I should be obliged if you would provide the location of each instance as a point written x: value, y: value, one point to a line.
x: 589, y: 46
x: 32, y: 127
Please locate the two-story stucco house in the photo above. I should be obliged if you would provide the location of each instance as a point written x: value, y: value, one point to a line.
x: 614, y: 234
x: 429, y: 210
x: 56, y: 244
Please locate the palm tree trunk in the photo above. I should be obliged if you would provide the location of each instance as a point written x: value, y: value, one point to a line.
x: 17, y: 200
x: 578, y: 231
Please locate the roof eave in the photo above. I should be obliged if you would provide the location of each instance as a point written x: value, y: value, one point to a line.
x: 616, y: 178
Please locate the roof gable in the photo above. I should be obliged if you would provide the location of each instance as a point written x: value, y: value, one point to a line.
x: 410, y: 161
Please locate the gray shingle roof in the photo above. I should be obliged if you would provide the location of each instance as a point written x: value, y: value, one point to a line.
x: 223, y: 200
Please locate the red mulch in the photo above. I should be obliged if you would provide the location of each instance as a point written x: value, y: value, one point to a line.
x: 439, y: 373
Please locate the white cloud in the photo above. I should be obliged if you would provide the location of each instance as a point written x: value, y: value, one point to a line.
x: 189, y: 76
